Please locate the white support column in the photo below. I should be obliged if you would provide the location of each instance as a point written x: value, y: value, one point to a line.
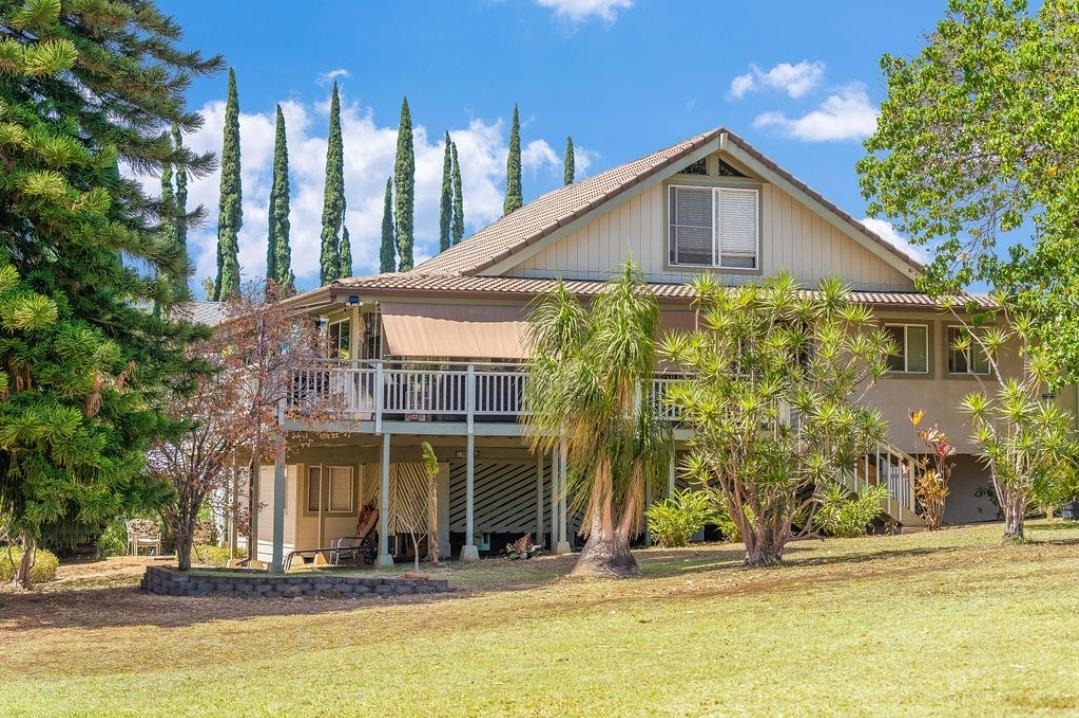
x: 384, y: 557
x: 539, y: 500
x: 554, y: 500
x: 670, y: 475
x: 277, y: 554
x: 563, y: 543
x: 469, y: 552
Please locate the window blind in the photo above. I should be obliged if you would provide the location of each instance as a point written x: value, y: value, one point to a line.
x: 917, y: 350
x: 736, y: 218
x: 691, y: 226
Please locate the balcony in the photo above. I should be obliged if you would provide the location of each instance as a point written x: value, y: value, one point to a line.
x: 432, y: 392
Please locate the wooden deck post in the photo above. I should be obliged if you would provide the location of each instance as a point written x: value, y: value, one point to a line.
x: 539, y: 499
x: 469, y: 552
x: 384, y: 557
x: 554, y: 501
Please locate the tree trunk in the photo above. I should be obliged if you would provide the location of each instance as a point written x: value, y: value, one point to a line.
x: 606, y: 556
x: 183, y: 547
x: 1013, y: 503
x: 765, y: 546
x: 22, y: 577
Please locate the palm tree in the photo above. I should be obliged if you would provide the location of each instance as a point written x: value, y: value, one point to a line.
x: 588, y: 387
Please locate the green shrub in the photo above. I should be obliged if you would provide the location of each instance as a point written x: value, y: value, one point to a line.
x: 675, y: 519
x: 45, y: 565
x: 846, y: 517
x: 212, y: 555
x: 113, y: 540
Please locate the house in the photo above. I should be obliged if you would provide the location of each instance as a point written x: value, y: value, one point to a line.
x: 434, y: 354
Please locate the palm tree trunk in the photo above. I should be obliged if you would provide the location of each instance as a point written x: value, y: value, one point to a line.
x: 1014, y: 504
x: 606, y: 554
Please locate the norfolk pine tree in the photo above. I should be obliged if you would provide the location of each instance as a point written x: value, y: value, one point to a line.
x: 513, y: 167
x: 230, y: 203
x: 458, y: 228
x: 387, y: 261
x: 182, y: 291
x: 83, y: 363
x: 404, y: 185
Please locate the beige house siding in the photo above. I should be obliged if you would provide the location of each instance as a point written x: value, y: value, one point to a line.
x: 265, y: 511
x: 792, y: 237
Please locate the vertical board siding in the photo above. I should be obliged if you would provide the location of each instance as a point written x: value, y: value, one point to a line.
x: 793, y: 238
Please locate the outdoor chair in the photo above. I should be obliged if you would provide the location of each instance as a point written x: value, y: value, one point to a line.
x: 363, y: 545
x: 143, y: 533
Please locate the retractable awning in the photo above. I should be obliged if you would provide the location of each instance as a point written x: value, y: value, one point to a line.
x: 455, y: 331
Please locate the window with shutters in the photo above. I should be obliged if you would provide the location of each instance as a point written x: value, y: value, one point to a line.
x: 714, y: 227
x: 965, y: 355
x: 331, y: 488
x: 912, y: 348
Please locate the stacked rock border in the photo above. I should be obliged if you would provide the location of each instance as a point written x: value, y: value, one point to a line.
x: 167, y: 581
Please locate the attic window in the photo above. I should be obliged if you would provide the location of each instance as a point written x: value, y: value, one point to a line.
x: 725, y: 170
x: 713, y: 227
x: 700, y: 167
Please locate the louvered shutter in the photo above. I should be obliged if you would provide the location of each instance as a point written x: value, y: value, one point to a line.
x: 340, y: 486
x: 917, y: 350
x: 691, y: 226
x: 736, y: 219
x: 313, y: 489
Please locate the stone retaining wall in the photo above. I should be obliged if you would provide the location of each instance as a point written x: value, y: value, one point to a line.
x: 168, y: 581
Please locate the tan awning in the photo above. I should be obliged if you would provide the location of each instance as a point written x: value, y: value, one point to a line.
x: 455, y: 331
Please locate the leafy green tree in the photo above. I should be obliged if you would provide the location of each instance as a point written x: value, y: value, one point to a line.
x: 774, y: 377
x: 458, y: 227
x: 388, y: 247
x: 181, y: 212
x: 975, y: 144
x: 83, y: 87
x: 345, y: 253
x: 514, y: 198
x: 584, y: 393
x: 445, y: 204
x: 404, y: 186
x: 568, y: 161
x: 230, y: 202
x: 333, y: 204
x: 279, y: 276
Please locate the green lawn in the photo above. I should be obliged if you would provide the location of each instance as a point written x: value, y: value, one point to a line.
x: 923, y: 624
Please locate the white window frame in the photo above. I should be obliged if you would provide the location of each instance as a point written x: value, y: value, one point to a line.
x: 974, y: 347
x: 717, y: 254
x: 906, y: 354
x: 325, y: 471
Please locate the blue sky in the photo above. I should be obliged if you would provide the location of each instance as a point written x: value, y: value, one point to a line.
x: 801, y: 81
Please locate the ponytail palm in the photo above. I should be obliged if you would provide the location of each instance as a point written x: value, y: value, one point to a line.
x: 588, y: 387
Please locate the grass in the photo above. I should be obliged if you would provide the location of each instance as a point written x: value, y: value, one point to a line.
x: 951, y: 623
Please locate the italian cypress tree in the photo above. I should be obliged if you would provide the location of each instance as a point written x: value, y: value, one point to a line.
x: 404, y: 186
x: 513, y: 167
x: 458, y: 200
x: 387, y: 259
x: 567, y: 163
x: 82, y: 364
x: 230, y: 203
x: 445, y: 205
x: 333, y: 203
x: 183, y: 292
x: 278, y: 252
x: 345, y: 253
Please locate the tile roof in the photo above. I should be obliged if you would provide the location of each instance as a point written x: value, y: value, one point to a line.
x: 414, y: 284
x: 557, y: 208
x: 209, y: 313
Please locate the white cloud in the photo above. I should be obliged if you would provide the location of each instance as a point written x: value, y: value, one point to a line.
x: 580, y: 10
x: 795, y: 80
x: 369, y: 156
x: 538, y: 153
x: 846, y: 115
x: 887, y: 232
x: 325, y: 78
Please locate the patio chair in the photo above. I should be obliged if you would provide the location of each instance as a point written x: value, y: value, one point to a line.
x: 364, y: 545
x: 143, y: 533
